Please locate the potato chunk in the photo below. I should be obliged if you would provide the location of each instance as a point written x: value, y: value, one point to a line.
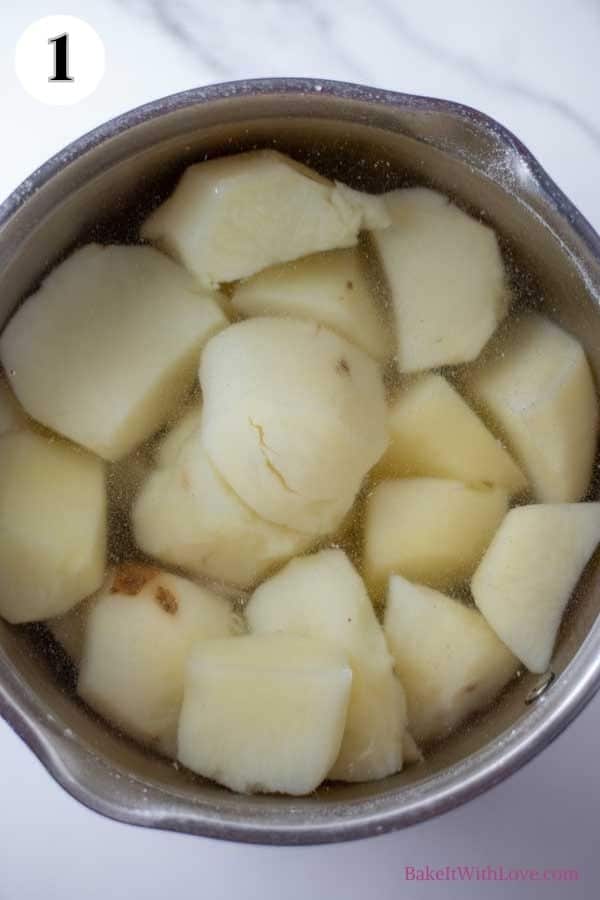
x: 231, y: 217
x: 527, y: 576
x: 330, y: 288
x: 434, y: 432
x: 137, y: 639
x: 294, y: 417
x: 449, y: 660
x: 430, y: 530
x: 264, y: 713
x: 536, y: 386
x: 186, y: 515
x: 52, y: 526
x: 171, y: 444
x: 446, y: 279
x: 11, y: 415
x: 108, y: 345
x: 323, y: 596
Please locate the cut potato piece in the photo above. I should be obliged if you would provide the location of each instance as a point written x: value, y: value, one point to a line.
x: 430, y: 530
x: 52, y: 526
x: 448, y: 658
x: 330, y: 288
x: 434, y: 432
x: 186, y: 515
x: 294, y: 418
x: 529, y: 572
x: 323, y: 596
x: 108, y: 345
x: 137, y: 639
x: 170, y: 446
x: 370, y: 208
x: 11, y: 415
x: 69, y: 630
x: 264, y: 713
x: 231, y: 217
x: 372, y: 745
x: 536, y: 386
x: 446, y: 279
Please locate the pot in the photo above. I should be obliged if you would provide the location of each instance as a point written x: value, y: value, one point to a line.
x: 100, y: 187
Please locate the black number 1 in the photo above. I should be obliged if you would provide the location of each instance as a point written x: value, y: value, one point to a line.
x: 61, y: 58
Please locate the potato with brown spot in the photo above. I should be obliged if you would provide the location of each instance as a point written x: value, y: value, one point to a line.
x: 166, y: 600
x: 130, y: 578
x: 138, y: 634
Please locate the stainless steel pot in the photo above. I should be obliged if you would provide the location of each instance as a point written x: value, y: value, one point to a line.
x: 100, y: 186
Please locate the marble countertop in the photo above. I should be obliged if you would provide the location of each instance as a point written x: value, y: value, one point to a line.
x: 535, y: 66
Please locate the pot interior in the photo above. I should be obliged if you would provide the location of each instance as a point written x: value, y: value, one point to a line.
x: 103, y: 194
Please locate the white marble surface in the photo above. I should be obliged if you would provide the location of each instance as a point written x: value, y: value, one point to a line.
x: 534, y: 65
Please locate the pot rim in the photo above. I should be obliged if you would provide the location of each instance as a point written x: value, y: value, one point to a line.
x: 569, y: 693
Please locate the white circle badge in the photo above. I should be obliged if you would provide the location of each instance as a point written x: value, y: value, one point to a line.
x: 60, y: 60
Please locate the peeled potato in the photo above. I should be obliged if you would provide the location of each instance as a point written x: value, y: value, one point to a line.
x: 320, y: 593
x: 526, y: 578
x: 434, y: 432
x: 329, y: 288
x: 52, y: 526
x: 231, y: 217
x: 11, y: 416
x: 430, y: 530
x: 294, y: 417
x: 264, y: 713
x: 186, y: 515
x: 537, y: 388
x: 323, y: 596
x: 109, y: 345
x: 449, y: 660
x: 137, y: 639
x: 446, y: 279
x: 173, y: 441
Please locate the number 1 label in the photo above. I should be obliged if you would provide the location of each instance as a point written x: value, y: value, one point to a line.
x: 61, y: 58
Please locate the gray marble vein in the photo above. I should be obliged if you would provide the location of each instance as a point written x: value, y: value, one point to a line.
x: 174, y: 18
x: 244, y: 40
x: 477, y: 70
x: 232, y: 45
x: 326, y: 22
